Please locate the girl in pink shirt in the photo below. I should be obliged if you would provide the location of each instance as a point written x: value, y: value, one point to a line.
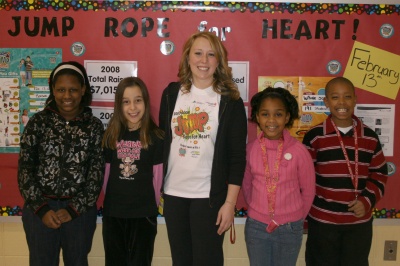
x: 279, y: 182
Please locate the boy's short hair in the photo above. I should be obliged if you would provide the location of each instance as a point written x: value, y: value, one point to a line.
x: 339, y: 80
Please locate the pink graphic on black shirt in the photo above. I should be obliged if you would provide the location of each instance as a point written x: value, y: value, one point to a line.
x: 128, y: 152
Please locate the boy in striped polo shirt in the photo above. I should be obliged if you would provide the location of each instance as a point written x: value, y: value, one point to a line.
x: 351, y: 173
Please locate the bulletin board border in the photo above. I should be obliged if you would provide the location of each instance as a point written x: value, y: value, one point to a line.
x: 239, y: 213
x: 207, y: 6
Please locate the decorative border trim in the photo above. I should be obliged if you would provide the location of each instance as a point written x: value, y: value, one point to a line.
x: 376, y: 213
x: 190, y: 6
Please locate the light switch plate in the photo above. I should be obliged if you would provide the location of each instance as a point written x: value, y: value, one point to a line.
x: 390, y: 251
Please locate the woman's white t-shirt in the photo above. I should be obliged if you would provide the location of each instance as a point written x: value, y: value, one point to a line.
x: 194, y: 127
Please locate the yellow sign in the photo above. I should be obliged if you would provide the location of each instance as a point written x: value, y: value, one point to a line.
x: 41, y: 74
x: 374, y: 70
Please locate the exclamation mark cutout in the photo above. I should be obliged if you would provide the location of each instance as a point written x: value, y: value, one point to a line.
x: 355, y: 26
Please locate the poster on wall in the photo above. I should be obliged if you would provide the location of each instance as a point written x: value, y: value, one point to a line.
x: 24, y: 74
x: 310, y: 93
x: 240, y: 73
x: 104, y: 77
x: 103, y: 113
x: 380, y: 118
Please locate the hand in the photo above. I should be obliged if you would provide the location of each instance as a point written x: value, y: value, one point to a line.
x: 63, y: 215
x: 51, y: 220
x: 225, y: 217
x: 357, y: 207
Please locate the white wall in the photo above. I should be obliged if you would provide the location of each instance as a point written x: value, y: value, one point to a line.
x: 14, y: 251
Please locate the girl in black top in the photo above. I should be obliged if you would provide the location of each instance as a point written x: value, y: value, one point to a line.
x: 133, y: 145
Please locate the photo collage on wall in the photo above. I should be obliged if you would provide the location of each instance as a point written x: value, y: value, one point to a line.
x: 24, y: 74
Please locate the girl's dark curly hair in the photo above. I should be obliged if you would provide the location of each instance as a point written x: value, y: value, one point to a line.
x: 288, y: 100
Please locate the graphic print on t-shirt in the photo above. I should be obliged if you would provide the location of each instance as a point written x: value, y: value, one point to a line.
x: 128, y: 152
x: 193, y: 125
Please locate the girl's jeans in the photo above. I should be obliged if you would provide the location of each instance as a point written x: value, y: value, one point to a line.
x: 281, y: 247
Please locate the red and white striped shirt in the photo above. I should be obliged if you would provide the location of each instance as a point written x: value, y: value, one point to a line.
x: 334, y: 187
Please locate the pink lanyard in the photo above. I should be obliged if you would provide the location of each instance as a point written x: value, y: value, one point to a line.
x: 271, y: 181
x: 354, y: 177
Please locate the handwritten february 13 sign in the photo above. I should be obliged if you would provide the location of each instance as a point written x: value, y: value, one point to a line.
x: 374, y: 70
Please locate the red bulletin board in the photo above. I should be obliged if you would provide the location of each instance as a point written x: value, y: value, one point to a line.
x: 276, y: 39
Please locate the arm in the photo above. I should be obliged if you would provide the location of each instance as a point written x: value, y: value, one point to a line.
x: 309, y: 147
x: 236, y: 135
x: 163, y: 111
x: 28, y: 163
x: 157, y: 181
x: 158, y: 168
x: 247, y: 180
x: 108, y: 158
x: 106, y: 176
x: 306, y: 175
x: 375, y: 186
x: 227, y: 211
x: 169, y: 93
x: 236, y: 144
